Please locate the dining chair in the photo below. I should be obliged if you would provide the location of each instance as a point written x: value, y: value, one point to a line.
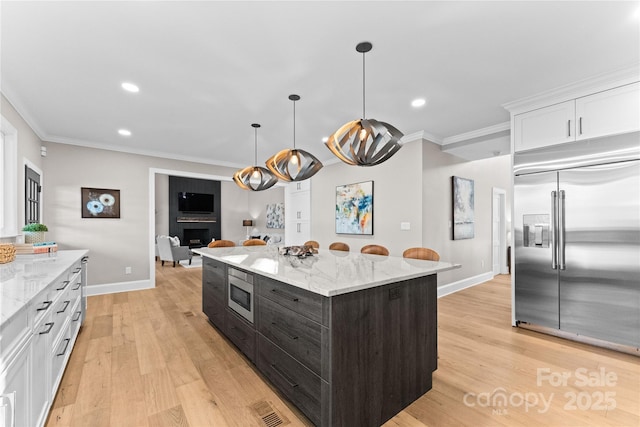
x: 339, y: 246
x: 421, y: 253
x: 254, y: 242
x: 221, y: 244
x: 375, y: 250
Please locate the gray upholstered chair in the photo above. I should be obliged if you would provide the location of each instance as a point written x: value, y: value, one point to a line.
x: 168, y: 252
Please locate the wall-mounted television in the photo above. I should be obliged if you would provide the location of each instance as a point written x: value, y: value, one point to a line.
x: 195, y: 202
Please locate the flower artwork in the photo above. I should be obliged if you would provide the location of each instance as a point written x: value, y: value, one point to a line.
x: 354, y: 208
x: 100, y: 203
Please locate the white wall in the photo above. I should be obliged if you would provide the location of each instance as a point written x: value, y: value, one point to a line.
x: 475, y: 255
x: 397, y: 197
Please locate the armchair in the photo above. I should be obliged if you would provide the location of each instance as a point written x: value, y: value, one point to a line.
x: 168, y: 252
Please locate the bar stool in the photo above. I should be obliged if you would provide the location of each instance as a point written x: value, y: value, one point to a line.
x: 254, y: 242
x: 339, y: 246
x: 221, y: 244
x: 375, y: 250
x: 421, y: 253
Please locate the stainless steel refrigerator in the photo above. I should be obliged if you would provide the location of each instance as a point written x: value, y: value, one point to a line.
x: 577, y: 238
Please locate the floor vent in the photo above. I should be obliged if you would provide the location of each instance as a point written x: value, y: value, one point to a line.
x: 269, y: 416
x: 188, y: 314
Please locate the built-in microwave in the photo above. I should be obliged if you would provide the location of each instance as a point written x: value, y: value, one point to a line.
x: 241, y: 293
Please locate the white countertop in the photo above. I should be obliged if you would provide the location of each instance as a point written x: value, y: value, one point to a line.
x: 23, y: 279
x: 328, y: 272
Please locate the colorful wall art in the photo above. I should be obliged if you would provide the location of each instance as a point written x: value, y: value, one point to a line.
x: 354, y: 208
x: 100, y: 203
x: 463, y: 210
x: 275, y: 215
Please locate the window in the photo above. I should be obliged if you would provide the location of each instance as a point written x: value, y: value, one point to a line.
x: 8, y: 179
x: 32, y: 190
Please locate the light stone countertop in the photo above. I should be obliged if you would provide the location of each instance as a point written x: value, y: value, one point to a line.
x: 327, y: 273
x: 23, y: 279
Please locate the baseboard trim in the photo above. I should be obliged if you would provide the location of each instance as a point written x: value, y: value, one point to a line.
x: 112, y: 288
x: 451, y: 288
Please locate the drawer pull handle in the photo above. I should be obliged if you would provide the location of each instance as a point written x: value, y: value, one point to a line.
x: 238, y: 334
x: 45, y: 305
x: 66, y: 304
x: 50, y: 326
x: 78, y: 313
x: 284, y: 377
x: 77, y: 287
x: 64, y: 285
x: 284, y: 294
x: 283, y: 331
x: 66, y: 345
x: 77, y: 270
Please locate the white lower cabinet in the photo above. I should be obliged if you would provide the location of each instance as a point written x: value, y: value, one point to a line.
x: 33, y: 361
x: 14, y: 392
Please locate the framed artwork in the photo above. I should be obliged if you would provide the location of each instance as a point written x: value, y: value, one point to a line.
x: 100, y: 203
x: 275, y: 215
x: 463, y: 210
x: 354, y: 208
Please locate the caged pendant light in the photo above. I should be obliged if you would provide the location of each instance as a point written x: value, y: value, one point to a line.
x: 294, y: 164
x: 365, y: 142
x: 255, y: 178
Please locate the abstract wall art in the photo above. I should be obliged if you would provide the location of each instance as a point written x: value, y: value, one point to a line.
x: 354, y: 208
x: 275, y: 215
x: 463, y: 210
x: 100, y: 203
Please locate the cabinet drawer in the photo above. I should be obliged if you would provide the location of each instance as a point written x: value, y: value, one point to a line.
x: 214, y: 309
x: 241, y: 333
x: 59, y: 314
x: 214, y: 278
x: 59, y: 355
x: 76, y: 318
x: 303, y: 302
x: 296, y: 382
x: 12, y: 332
x: 295, y: 334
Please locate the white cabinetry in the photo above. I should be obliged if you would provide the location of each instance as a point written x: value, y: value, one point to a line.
x: 609, y: 112
x: 297, y: 213
x: 38, y: 337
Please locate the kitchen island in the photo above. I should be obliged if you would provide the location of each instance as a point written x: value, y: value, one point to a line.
x: 349, y: 338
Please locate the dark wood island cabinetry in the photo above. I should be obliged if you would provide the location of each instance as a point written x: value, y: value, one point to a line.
x: 351, y: 359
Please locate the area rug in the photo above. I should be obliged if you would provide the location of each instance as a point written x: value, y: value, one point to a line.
x: 196, y: 262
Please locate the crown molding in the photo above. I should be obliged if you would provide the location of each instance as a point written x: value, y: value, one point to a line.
x: 490, y: 131
x: 22, y: 111
x: 588, y: 86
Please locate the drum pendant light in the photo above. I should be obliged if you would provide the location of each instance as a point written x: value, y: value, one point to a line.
x: 365, y: 142
x: 255, y: 178
x: 294, y: 164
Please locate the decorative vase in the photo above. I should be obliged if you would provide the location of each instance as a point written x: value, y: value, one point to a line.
x: 34, y: 236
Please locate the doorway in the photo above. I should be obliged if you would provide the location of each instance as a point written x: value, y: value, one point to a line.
x: 499, y: 231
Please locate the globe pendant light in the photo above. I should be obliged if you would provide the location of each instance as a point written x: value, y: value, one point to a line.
x: 255, y: 178
x: 365, y: 142
x: 294, y: 165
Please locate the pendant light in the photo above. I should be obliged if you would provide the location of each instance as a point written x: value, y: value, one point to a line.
x: 255, y: 178
x: 294, y: 164
x: 365, y: 142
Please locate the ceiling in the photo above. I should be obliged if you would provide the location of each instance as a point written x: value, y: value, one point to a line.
x: 208, y: 69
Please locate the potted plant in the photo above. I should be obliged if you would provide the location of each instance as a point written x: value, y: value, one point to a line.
x: 34, y: 233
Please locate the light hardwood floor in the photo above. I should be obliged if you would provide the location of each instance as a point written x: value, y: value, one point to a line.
x: 150, y: 358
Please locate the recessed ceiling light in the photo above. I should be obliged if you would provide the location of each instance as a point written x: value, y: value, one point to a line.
x: 130, y: 87
x: 419, y: 102
x: 124, y: 132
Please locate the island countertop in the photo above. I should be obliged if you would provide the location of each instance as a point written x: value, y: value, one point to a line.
x: 328, y: 272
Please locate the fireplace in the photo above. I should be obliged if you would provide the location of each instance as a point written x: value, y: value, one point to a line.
x: 196, y: 237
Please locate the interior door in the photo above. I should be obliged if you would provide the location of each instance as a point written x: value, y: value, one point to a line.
x: 496, y: 228
x: 600, y: 286
x: 536, y: 281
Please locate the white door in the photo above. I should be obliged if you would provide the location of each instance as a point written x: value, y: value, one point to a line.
x: 496, y: 233
x: 499, y: 231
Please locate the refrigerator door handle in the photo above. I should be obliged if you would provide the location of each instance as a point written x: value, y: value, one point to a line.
x: 561, y: 236
x: 554, y: 230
